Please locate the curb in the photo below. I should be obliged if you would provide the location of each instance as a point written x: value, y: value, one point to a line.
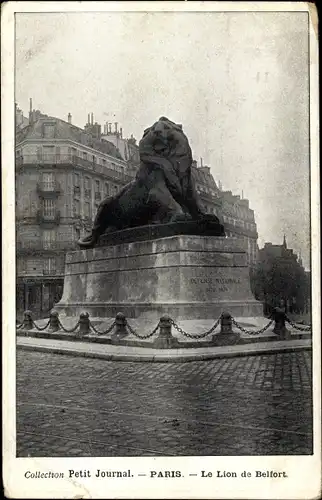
x: 164, y: 357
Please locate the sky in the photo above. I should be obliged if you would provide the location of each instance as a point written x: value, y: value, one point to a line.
x: 237, y: 82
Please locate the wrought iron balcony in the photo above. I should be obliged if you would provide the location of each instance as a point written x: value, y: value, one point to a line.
x: 39, y: 246
x: 32, y: 245
x: 69, y: 159
x: 46, y: 218
x: 240, y: 230
x: 49, y: 272
x: 48, y: 190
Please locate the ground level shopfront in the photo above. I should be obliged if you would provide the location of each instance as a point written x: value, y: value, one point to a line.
x: 38, y: 294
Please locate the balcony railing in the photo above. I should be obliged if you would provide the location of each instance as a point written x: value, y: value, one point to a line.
x: 49, y: 272
x: 240, y: 230
x: 45, y: 245
x: 48, y: 218
x: 69, y: 159
x: 48, y: 188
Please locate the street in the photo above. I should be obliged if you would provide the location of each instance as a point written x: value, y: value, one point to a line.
x: 251, y: 405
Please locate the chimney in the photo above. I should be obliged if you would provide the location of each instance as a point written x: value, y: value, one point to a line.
x: 201, y: 162
x: 121, y: 132
x: 69, y: 118
x: 104, y: 129
x: 88, y: 119
x: 115, y: 123
x: 109, y: 128
x: 30, y: 111
x: 92, y: 118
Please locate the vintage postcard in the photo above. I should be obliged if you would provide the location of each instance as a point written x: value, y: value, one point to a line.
x: 161, y: 250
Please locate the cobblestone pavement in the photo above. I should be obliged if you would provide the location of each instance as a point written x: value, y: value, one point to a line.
x: 252, y: 405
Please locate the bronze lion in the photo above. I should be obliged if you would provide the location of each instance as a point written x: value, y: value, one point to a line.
x: 162, y: 191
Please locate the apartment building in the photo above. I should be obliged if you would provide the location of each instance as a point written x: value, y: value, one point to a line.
x: 232, y: 210
x: 62, y: 174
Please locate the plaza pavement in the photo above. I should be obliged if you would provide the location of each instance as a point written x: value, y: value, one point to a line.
x: 69, y: 406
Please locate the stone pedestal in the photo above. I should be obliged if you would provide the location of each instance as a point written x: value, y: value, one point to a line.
x: 186, y: 277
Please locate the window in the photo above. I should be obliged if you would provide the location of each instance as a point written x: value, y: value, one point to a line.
x: 76, y: 180
x: 76, y: 208
x: 77, y: 188
x: 97, y: 186
x: 94, y: 159
x: 104, y: 162
x: 85, y: 156
x: 72, y: 151
x: 50, y: 266
x: 49, y: 154
x: 113, y: 166
x: 48, y: 181
x: 106, y: 189
x: 49, y: 208
x: 49, y: 237
x: 87, y: 210
x: 77, y: 233
x: 87, y: 187
x: 49, y: 130
x: 39, y: 153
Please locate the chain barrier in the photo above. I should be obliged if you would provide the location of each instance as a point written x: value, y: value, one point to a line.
x: 252, y: 332
x: 105, y: 332
x: 306, y: 328
x: 68, y: 330
x: 142, y: 336
x: 197, y: 335
x: 40, y: 328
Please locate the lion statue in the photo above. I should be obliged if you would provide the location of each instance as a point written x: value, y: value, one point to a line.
x: 162, y: 191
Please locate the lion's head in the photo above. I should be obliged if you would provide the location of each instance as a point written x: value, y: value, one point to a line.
x: 164, y: 138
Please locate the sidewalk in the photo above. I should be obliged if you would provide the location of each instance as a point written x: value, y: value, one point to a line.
x: 128, y: 353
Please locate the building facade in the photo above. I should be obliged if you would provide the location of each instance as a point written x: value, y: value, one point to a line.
x: 234, y: 212
x: 280, y: 279
x: 62, y: 174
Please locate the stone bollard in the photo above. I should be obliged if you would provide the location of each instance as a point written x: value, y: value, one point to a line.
x: 226, y: 325
x: 165, y: 340
x: 120, y: 328
x: 120, y: 325
x: 27, y: 320
x: 280, y: 329
x: 226, y: 336
x: 84, y: 328
x: 53, y: 321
